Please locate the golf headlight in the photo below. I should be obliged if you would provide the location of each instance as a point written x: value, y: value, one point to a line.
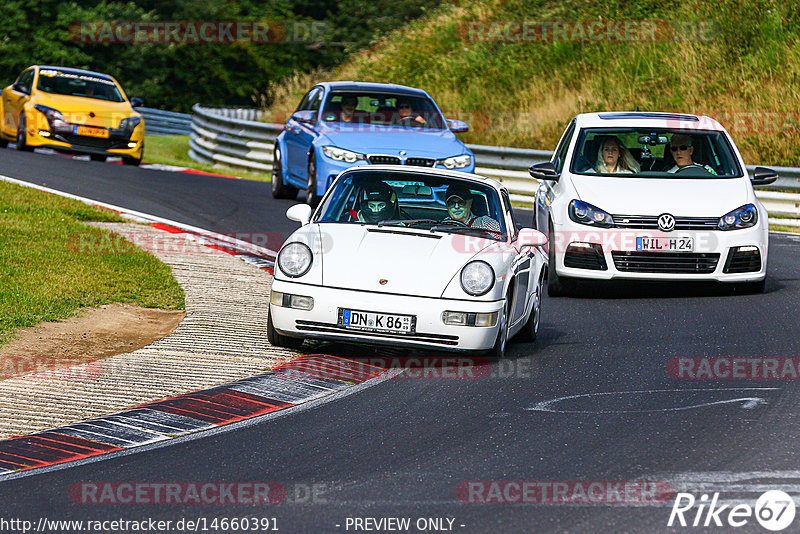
x: 457, y: 162
x: 294, y: 259
x: 583, y: 213
x: 129, y: 124
x: 340, y: 154
x: 743, y: 217
x: 477, y: 278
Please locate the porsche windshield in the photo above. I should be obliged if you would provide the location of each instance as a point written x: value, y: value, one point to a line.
x: 654, y: 152
x: 411, y: 200
x: 78, y: 84
x: 382, y: 108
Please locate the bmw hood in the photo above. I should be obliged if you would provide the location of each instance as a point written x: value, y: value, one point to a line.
x: 376, y: 139
x: 409, y: 262
x: 654, y: 196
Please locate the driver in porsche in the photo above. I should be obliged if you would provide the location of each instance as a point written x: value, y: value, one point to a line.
x: 378, y: 203
x: 458, y: 200
x: 681, y: 147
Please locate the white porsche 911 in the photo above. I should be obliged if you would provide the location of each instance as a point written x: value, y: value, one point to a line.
x: 413, y: 257
x: 651, y: 196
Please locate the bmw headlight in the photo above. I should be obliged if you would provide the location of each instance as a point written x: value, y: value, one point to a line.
x: 340, y: 154
x: 743, y: 217
x: 129, y: 124
x: 584, y: 213
x: 457, y: 162
x: 477, y: 278
x: 295, y: 259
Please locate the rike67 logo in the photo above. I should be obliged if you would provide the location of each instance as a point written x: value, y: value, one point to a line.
x: 774, y: 510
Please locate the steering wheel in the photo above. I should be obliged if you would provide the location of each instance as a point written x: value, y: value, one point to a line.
x: 408, y: 119
x: 688, y: 168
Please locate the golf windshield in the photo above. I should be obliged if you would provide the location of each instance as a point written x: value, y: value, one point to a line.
x: 654, y: 152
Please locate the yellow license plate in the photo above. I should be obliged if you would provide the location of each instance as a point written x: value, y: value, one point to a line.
x: 91, y: 132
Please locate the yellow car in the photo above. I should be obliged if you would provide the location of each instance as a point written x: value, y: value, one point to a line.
x: 72, y: 110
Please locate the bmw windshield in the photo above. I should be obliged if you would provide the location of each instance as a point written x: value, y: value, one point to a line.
x: 654, y: 152
x: 411, y: 200
x: 360, y: 107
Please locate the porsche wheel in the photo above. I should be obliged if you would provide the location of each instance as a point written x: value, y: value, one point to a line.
x: 279, y: 340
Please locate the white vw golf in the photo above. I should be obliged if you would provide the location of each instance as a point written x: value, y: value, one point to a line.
x: 413, y: 257
x: 651, y: 196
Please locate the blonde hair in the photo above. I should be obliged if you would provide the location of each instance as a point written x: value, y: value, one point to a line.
x: 626, y: 161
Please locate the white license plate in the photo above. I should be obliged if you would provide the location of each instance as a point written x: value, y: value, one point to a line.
x: 376, y: 322
x: 665, y: 244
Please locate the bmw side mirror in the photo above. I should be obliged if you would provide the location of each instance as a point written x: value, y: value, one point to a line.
x: 544, y: 171
x: 457, y: 126
x: 300, y: 213
x: 528, y: 237
x: 305, y: 116
x: 763, y: 176
x: 136, y: 102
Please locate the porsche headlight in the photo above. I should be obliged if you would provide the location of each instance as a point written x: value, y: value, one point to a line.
x: 340, y: 154
x: 584, y: 213
x: 129, y: 124
x: 743, y: 217
x: 295, y: 259
x: 457, y: 162
x: 477, y: 278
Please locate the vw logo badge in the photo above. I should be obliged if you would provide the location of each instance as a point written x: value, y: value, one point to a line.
x: 383, y: 281
x: 403, y: 152
x: 666, y: 222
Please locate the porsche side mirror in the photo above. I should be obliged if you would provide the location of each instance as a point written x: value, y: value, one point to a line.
x: 528, y: 237
x: 544, y: 171
x: 763, y: 176
x: 300, y: 213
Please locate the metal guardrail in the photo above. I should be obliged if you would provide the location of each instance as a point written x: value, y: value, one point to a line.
x: 160, y: 122
x: 225, y: 137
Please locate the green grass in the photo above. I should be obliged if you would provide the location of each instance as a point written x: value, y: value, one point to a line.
x: 782, y: 228
x: 735, y: 60
x: 174, y: 150
x: 47, y: 275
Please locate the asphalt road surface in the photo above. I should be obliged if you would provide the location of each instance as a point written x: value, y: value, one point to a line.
x: 409, y: 447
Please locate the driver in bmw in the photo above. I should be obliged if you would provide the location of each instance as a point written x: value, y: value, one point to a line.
x: 407, y: 115
x: 681, y: 147
x: 458, y: 200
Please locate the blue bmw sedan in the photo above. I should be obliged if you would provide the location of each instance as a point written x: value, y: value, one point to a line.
x: 339, y: 125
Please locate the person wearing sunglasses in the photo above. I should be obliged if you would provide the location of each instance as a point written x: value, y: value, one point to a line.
x: 407, y: 116
x: 458, y: 200
x: 681, y: 147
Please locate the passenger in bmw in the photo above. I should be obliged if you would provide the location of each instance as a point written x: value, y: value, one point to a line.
x: 458, y: 200
x: 378, y: 202
x: 681, y: 147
